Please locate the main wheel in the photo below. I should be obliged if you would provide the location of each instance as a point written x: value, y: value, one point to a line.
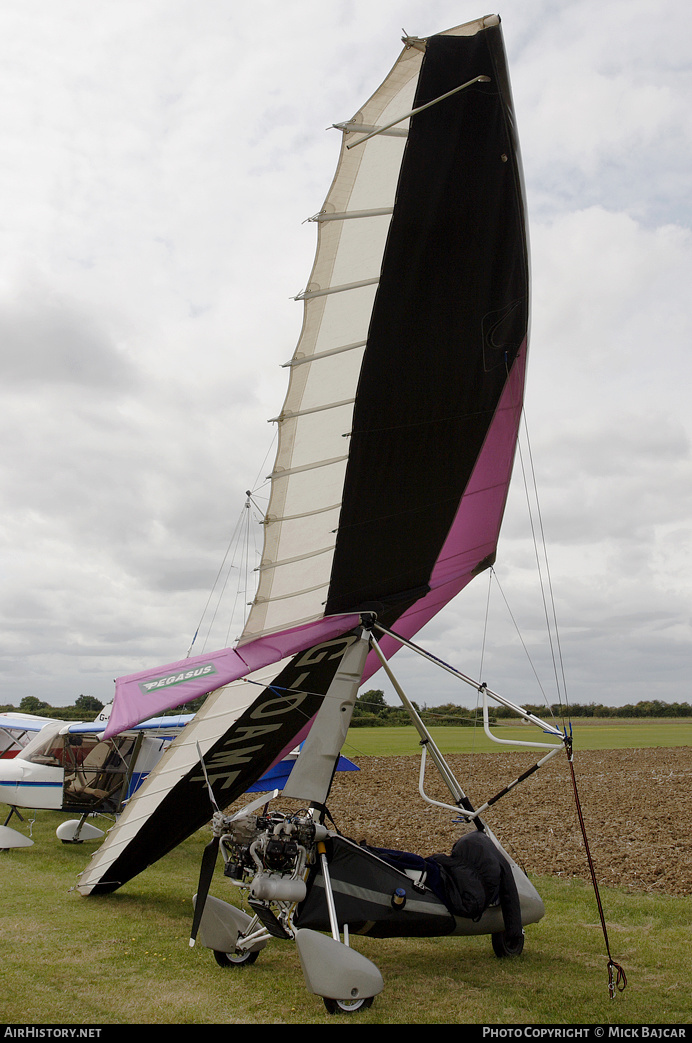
x: 239, y: 958
x: 502, y: 946
x: 347, y: 1006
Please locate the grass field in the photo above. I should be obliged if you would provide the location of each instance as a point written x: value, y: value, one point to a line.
x: 588, y: 733
x: 124, y: 959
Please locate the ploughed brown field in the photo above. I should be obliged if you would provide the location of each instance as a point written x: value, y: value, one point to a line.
x: 636, y: 804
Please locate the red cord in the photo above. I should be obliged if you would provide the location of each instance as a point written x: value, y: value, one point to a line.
x: 619, y: 979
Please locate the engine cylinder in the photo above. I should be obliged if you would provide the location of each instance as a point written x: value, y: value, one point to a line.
x: 271, y: 888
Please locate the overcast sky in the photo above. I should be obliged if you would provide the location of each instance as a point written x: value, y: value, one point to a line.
x: 159, y: 159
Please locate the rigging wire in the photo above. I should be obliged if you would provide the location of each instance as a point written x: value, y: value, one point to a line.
x: 546, y: 585
x: 249, y: 552
x: 523, y: 643
x: 239, y: 544
x: 482, y: 656
x: 211, y: 594
x: 232, y: 545
x: 617, y: 979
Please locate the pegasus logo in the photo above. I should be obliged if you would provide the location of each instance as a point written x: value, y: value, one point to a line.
x: 170, y: 680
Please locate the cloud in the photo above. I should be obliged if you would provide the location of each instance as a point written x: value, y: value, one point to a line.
x: 158, y: 162
x: 48, y: 341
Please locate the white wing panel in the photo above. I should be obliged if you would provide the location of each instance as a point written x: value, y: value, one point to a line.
x: 307, y: 480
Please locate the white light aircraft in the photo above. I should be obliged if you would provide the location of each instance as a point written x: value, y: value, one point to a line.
x: 56, y: 765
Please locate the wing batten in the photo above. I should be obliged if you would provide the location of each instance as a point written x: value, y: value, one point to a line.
x: 303, y: 360
x: 352, y: 215
x: 307, y: 295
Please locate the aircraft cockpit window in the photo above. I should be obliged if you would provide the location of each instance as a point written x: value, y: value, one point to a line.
x: 49, y: 752
x: 96, y: 770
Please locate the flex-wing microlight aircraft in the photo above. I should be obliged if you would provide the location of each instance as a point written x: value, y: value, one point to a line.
x: 56, y: 765
x: 396, y: 446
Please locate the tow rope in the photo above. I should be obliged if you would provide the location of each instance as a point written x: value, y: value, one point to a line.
x: 617, y: 979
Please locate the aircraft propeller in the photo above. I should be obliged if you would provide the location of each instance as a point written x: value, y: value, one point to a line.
x: 206, y: 873
x: 208, y: 865
x: 220, y: 824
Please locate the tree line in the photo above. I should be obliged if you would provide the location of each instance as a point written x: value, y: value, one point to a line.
x: 84, y: 708
x: 371, y: 710
x: 644, y: 708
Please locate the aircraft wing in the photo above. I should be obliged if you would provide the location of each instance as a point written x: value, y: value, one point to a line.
x: 277, y: 777
x: 17, y: 730
x: 27, y: 722
x: 155, y: 725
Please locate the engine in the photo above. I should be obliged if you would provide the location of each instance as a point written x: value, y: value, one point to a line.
x: 269, y: 854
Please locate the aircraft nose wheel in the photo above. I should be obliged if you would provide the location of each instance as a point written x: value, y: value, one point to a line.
x: 235, y: 959
x: 347, y: 1006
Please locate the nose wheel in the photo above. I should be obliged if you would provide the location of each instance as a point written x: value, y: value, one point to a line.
x: 347, y: 1006
x: 235, y: 959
